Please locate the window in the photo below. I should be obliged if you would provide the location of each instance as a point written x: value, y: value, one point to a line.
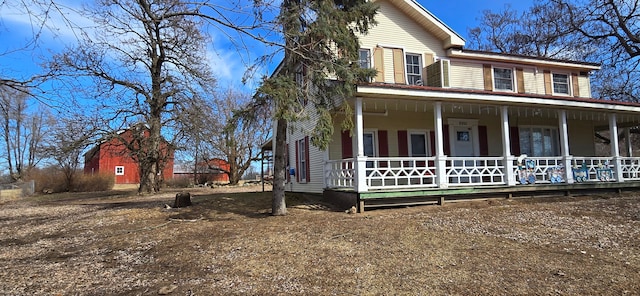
x: 539, y: 141
x: 301, y: 83
x: 560, y: 83
x: 302, y: 161
x: 418, y: 144
x: 369, y: 141
x: 414, y: 69
x: 119, y: 170
x: 364, y: 58
x: 503, y: 79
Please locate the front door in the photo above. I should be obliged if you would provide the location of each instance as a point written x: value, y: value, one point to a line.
x: 463, y: 141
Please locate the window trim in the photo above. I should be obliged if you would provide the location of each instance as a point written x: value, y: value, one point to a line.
x: 553, y: 84
x: 302, y: 160
x: 374, y: 133
x: 420, y: 67
x: 427, y: 141
x: 514, y: 86
x: 370, y: 61
x: 116, y: 170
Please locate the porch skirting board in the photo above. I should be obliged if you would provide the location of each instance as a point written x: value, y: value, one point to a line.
x: 380, y: 199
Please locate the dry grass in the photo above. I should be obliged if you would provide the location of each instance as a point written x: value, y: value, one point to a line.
x: 228, y: 244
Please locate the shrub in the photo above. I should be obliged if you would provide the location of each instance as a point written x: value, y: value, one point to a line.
x: 96, y: 182
x: 50, y: 180
x: 182, y: 182
x: 53, y: 180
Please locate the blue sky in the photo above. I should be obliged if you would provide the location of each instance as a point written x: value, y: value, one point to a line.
x: 15, y: 29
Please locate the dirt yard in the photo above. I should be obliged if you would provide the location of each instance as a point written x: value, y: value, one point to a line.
x: 226, y: 244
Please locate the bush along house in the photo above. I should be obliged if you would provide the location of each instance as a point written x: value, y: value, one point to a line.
x: 442, y: 122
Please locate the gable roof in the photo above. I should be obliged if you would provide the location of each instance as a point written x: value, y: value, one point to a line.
x: 430, y: 22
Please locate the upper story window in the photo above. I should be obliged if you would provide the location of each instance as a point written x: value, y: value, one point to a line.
x: 414, y: 69
x: 119, y: 170
x: 364, y: 58
x: 301, y: 82
x: 560, y: 83
x: 503, y: 79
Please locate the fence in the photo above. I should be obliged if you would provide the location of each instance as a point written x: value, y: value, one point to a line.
x: 16, y: 190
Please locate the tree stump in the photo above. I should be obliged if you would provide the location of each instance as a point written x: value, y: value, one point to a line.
x: 183, y: 199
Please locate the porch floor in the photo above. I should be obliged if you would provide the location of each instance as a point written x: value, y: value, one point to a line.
x: 410, y: 197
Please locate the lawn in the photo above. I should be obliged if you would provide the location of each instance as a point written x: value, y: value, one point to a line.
x: 227, y: 243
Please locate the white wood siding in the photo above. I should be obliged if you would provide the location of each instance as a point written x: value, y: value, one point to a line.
x: 585, y: 86
x: 466, y: 75
x: 298, y: 131
x: 396, y: 30
x: 529, y: 77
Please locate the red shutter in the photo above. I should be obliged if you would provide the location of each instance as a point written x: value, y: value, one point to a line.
x: 483, y: 141
x: 432, y: 140
x: 347, y: 145
x: 297, y: 163
x: 403, y: 148
x: 383, y: 144
x: 445, y: 139
x: 514, y: 135
x: 306, y: 158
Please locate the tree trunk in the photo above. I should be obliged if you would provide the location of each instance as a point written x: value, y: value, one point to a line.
x: 279, y: 206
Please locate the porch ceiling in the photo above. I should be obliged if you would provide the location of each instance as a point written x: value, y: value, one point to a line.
x: 462, y: 97
x: 382, y: 107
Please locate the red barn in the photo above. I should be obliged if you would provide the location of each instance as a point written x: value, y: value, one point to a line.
x: 112, y: 157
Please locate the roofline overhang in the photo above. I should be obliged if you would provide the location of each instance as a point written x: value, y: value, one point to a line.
x: 484, y: 97
x: 455, y: 40
x: 535, y: 61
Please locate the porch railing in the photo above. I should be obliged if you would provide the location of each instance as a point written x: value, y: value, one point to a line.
x: 420, y: 172
x: 597, y: 168
x: 630, y: 168
x: 340, y: 173
x: 400, y: 172
x: 464, y: 171
x: 544, y: 169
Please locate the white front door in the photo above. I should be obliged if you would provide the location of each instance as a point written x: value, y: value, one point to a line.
x: 463, y: 141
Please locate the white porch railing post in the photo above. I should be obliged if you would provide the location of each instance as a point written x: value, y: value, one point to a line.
x: 615, y: 148
x: 564, y: 146
x: 361, y: 159
x: 509, y: 177
x: 627, y: 136
x: 441, y: 159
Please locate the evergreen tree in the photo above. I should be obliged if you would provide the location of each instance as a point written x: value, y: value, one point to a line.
x: 319, y: 68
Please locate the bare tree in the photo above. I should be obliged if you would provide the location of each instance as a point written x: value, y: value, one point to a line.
x: 69, y: 137
x: 22, y: 131
x: 214, y: 130
x: 147, y: 57
x: 599, y: 31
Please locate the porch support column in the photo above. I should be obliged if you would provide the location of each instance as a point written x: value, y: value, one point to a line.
x: 567, y: 158
x: 615, y: 147
x: 441, y: 159
x: 510, y: 177
x: 627, y: 134
x: 361, y: 159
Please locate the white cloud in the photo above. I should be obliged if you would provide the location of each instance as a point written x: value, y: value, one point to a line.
x: 60, y: 22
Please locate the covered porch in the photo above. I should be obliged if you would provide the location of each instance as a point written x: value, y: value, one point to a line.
x: 446, y: 170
